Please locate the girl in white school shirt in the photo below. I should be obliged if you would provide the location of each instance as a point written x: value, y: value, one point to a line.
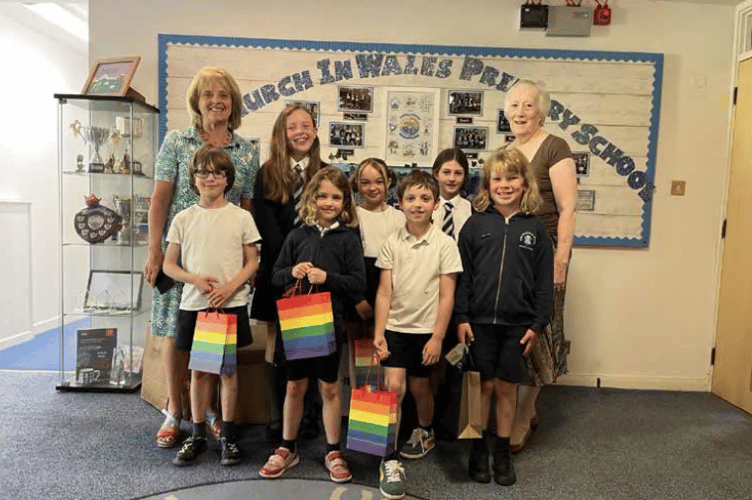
x: 450, y: 169
x: 377, y: 220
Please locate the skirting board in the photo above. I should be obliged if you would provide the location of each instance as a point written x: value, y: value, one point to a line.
x: 701, y: 384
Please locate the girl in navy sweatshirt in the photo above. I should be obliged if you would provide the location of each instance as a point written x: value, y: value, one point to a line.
x: 503, y: 298
x: 325, y: 251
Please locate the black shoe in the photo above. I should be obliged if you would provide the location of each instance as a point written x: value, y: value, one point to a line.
x: 478, y: 468
x: 189, y: 451
x: 502, y: 467
x: 231, y: 453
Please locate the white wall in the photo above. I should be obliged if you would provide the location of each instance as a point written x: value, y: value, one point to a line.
x: 636, y: 318
x: 35, y: 66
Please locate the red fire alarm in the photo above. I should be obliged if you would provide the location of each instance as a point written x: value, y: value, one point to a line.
x: 602, y: 14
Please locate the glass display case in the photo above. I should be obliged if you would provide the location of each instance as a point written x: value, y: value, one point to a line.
x: 106, y: 152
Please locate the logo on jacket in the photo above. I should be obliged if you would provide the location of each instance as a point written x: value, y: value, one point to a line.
x: 527, y: 240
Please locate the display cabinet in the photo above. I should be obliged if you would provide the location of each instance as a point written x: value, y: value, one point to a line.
x: 106, y: 152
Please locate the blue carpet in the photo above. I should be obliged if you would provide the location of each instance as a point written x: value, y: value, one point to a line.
x: 43, y: 351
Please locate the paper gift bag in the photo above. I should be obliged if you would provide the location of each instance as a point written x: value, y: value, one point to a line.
x: 307, y: 325
x: 464, y: 415
x: 215, y: 340
x: 470, y: 424
x: 372, y: 424
x: 363, y: 352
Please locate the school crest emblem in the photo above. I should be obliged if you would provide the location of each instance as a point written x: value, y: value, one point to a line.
x: 527, y: 240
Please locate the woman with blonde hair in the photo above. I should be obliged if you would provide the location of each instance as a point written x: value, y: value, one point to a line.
x: 214, y: 104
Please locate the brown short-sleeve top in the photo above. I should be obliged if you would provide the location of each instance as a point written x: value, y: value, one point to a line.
x: 551, y: 151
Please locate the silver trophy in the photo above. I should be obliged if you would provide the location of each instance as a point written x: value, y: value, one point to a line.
x: 123, y: 208
x: 95, y: 137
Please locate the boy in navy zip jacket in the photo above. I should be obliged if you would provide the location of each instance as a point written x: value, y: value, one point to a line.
x: 504, y: 297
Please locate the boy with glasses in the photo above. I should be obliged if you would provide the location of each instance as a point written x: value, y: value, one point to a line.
x: 215, y: 242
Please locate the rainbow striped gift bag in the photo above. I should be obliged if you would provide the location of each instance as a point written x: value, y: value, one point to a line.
x: 307, y: 325
x: 363, y: 354
x: 372, y: 424
x: 214, y: 348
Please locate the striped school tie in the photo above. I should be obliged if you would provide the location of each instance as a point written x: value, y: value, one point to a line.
x: 448, y: 225
x: 297, y: 194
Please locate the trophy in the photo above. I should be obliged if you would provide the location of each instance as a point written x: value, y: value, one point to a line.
x: 123, y: 208
x: 92, y: 136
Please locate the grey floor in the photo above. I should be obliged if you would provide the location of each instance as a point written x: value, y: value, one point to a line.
x: 593, y: 444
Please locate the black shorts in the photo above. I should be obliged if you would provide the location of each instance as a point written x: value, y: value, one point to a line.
x: 324, y: 368
x: 406, y: 351
x: 186, y: 326
x: 497, y: 352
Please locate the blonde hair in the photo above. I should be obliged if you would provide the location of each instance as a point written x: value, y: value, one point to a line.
x: 276, y: 172
x: 507, y: 161
x: 379, y: 165
x: 337, y: 177
x: 542, y: 103
x: 200, y: 82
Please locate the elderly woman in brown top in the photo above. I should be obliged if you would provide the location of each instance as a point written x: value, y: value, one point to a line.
x: 526, y: 107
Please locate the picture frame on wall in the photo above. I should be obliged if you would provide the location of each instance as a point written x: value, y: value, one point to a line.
x: 352, y: 99
x: 465, y: 103
x: 470, y: 139
x: 412, y: 125
x: 502, y: 124
x: 346, y: 135
x: 111, y: 77
x: 313, y: 106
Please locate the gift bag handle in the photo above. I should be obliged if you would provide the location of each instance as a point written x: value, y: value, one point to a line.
x: 297, y: 289
x: 375, y: 361
x: 468, y: 364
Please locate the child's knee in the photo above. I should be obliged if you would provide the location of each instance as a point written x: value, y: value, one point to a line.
x: 296, y: 388
x: 504, y: 388
x: 329, y: 391
x: 229, y: 382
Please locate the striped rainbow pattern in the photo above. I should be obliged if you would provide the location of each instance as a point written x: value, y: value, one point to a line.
x: 363, y: 353
x: 307, y: 325
x: 373, y: 422
x: 214, y: 348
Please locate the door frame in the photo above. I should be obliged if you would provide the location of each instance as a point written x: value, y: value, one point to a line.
x: 742, y: 52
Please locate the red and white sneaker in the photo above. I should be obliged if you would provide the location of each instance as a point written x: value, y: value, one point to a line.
x: 279, y: 462
x: 335, y: 463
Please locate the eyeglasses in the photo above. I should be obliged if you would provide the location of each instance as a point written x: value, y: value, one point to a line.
x: 218, y: 174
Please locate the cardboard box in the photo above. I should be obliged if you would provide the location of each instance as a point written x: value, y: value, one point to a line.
x: 253, y: 401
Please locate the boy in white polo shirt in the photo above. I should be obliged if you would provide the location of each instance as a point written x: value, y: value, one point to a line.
x: 419, y: 265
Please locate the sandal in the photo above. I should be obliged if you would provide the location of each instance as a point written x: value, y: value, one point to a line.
x: 215, y: 423
x: 169, y: 433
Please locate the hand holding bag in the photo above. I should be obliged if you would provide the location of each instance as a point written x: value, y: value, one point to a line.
x: 372, y: 426
x: 214, y: 348
x: 307, y: 324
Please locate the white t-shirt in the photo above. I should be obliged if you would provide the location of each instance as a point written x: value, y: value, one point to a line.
x: 417, y: 265
x: 376, y: 226
x: 461, y: 211
x: 211, y: 243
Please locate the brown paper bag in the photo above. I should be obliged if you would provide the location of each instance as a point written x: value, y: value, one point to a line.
x: 470, y: 421
x: 154, y: 382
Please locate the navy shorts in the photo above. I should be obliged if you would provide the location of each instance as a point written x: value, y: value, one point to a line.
x: 186, y: 326
x: 406, y: 351
x: 497, y: 352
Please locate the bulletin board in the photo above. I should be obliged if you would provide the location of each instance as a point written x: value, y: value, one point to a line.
x: 405, y: 103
